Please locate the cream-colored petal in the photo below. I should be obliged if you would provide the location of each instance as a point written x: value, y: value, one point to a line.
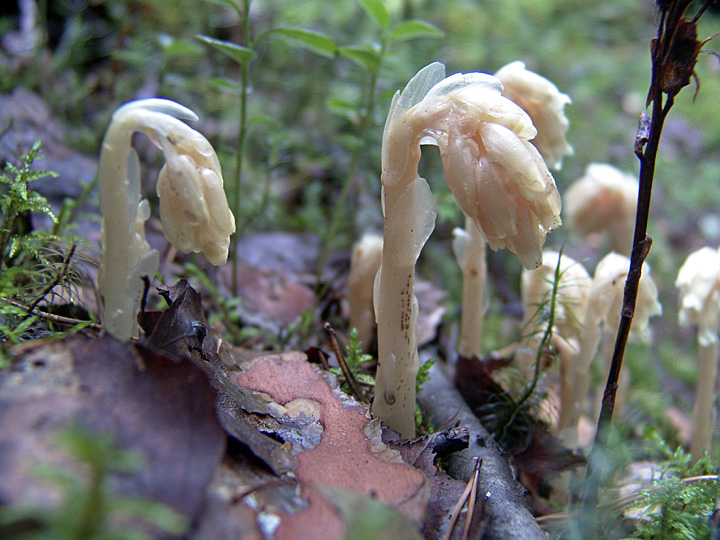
x: 604, y: 200
x: 607, y: 296
x: 572, y: 292
x: 526, y: 170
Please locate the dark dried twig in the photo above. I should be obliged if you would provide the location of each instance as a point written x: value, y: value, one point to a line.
x: 58, y: 278
x: 58, y: 319
x: 355, y: 388
x: 674, y: 55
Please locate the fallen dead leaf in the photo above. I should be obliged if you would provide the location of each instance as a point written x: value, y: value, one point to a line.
x: 159, y: 408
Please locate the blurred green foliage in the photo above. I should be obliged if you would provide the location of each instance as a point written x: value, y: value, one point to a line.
x: 89, y: 508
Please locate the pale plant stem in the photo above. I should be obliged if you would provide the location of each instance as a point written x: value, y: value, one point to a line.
x: 703, y: 422
x: 124, y: 260
x: 409, y: 220
x: 474, y: 271
x: 570, y: 416
x: 397, y: 347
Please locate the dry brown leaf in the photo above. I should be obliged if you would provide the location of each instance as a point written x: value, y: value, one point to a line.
x: 160, y: 408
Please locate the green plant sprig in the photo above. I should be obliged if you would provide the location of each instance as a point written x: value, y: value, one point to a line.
x: 88, y: 504
x: 369, y: 59
x: 18, y: 200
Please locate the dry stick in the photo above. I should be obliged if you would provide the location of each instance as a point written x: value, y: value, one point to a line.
x: 58, y: 319
x: 472, y: 499
x: 349, y: 377
x: 469, y: 487
x: 641, y: 246
x: 672, y: 68
x: 51, y: 285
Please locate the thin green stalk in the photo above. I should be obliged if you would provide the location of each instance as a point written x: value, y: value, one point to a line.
x: 342, y: 199
x: 544, y: 344
x: 244, y: 75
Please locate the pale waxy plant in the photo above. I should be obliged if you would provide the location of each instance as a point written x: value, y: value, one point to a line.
x: 545, y: 105
x: 364, y: 264
x: 571, y: 300
x: 699, y: 284
x: 193, y: 207
x: 470, y: 252
x: 603, y: 201
x: 601, y: 320
x: 499, y: 180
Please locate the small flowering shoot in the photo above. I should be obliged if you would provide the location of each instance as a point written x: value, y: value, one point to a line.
x: 499, y: 180
x: 604, y: 201
x: 364, y: 264
x: 469, y: 249
x: 193, y: 206
x: 545, y: 104
x: 699, y: 284
x: 602, y: 317
x: 571, y: 298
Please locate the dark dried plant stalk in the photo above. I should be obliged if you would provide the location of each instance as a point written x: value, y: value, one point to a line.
x: 674, y: 54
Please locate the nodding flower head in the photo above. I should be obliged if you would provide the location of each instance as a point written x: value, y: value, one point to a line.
x: 193, y: 208
x: 498, y: 178
x: 699, y: 284
x: 545, y: 104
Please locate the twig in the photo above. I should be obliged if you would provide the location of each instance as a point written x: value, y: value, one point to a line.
x: 349, y: 377
x: 674, y: 54
x: 50, y: 286
x: 470, y: 487
x: 58, y: 319
x: 472, y: 499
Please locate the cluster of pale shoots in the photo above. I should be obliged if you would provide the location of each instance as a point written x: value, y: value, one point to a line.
x: 483, y: 126
x: 499, y: 180
x: 497, y: 135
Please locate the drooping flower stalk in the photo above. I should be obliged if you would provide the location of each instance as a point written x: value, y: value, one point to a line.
x: 364, y: 264
x: 545, y: 105
x: 536, y: 287
x: 499, y: 180
x: 193, y: 206
x: 699, y: 284
x: 601, y: 318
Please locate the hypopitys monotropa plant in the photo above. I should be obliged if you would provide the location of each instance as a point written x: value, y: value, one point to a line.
x: 193, y: 207
x: 545, y: 105
x: 699, y: 284
x: 364, y: 264
x: 571, y: 298
x: 499, y: 180
x: 603, y: 201
x: 602, y: 317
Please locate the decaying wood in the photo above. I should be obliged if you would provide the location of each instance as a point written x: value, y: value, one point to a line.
x: 501, y: 500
